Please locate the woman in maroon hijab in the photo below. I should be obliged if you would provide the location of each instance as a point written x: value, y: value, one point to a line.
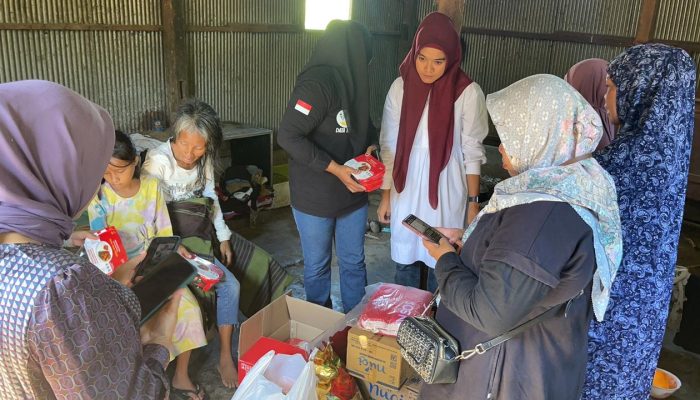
x: 67, y: 330
x: 588, y: 77
x: 434, y: 122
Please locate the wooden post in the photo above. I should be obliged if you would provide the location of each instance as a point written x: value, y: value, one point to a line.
x: 647, y: 21
x: 409, y: 24
x: 453, y: 9
x: 174, y: 53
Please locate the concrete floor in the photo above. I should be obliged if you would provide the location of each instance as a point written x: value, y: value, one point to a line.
x: 276, y: 232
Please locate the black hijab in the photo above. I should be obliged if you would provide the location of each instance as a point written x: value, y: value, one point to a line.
x: 346, y: 48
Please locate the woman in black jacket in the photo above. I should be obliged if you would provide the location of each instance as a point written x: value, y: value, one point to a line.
x: 326, y: 124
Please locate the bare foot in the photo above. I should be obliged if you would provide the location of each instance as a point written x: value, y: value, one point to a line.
x: 228, y: 372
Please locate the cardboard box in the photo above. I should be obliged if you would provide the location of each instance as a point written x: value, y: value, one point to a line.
x: 376, y: 359
x: 374, y: 391
x: 283, y: 319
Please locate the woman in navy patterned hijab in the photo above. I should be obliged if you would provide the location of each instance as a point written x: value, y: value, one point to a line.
x: 651, y: 94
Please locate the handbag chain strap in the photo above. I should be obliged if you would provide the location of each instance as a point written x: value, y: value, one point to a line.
x: 482, y: 348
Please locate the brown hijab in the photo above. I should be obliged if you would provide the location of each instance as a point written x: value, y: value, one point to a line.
x: 436, y: 31
x: 54, y: 148
x: 588, y: 77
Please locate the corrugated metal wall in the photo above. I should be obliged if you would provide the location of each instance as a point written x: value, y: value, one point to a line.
x: 679, y: 20
x: 120, y: 70
x: 497, y: 61
x: 115, y: 12
x: 246, y: 76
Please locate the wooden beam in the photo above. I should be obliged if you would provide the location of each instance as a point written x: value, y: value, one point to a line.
x: 78, y: 27
x: 251, y: 28
x: 453, y: 9
x: 647, y: 21
x: 559, y: 36
x: 175, y: 58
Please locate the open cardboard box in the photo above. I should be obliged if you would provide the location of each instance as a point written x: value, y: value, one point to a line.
x: 283, y: 319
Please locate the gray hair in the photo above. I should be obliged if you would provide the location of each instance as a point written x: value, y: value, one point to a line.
x: 198, y: 117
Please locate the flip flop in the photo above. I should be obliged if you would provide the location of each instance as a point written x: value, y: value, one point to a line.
x: 186, y: 394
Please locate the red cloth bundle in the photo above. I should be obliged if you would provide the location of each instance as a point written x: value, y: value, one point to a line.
x: 390, y: 305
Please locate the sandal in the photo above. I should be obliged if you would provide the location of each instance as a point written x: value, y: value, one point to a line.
x: 186, y: 394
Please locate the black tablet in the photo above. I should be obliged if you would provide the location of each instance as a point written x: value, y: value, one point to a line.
x: 159, y: 248
x: 154, y: 290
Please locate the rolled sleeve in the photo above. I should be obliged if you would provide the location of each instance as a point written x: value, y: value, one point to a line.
x: 475, y: 127
x: 389, y: 133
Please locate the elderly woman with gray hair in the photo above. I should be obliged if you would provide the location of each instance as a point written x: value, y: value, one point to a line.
x: 185, y: 166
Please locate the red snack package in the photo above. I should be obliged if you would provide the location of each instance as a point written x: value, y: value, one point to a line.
x: 208, y: 274
x: 390, y: 305
x: 371, y: 171
x: 107, y: 252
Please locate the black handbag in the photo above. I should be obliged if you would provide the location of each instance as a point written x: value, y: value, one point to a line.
x: 434, y: 353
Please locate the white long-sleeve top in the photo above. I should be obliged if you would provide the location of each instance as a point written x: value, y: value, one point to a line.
x: 470, y: 129
x: 179, y: 184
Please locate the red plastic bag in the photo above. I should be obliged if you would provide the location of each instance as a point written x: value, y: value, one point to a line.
x: 390, y: 305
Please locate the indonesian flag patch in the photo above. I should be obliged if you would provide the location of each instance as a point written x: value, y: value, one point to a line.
x: 303, y: 107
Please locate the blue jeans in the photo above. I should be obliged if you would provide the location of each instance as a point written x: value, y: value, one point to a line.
x: 409, y: 275
x: 228, y: 294
x: 317, y: 234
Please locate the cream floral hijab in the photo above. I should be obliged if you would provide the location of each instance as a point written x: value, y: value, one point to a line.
x: 549, y: 130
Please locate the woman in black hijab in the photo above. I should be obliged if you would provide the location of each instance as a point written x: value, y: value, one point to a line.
x: 326, y: 124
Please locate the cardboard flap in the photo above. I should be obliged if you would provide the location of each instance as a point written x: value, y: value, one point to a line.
x: 312, y: 314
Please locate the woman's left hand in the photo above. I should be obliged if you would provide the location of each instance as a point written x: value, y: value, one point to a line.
x: 438, y: 250
x: 371, y: 149
x: 226, y: 253
x: 77, y: 238
x: 182, y: 250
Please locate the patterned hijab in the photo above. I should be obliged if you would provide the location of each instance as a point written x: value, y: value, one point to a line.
x: 648, y: 160
x: 54, y: 149
x: 588, y: 77
x: 543, y: 124
x: 436, y: 31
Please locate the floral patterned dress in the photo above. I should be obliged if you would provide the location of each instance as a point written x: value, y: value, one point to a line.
x: 648, y: 161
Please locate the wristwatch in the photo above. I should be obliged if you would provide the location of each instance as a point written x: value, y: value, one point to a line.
x: 473, y: 199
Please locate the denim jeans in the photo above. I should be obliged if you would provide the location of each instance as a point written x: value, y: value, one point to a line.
x: 228, y: 294
x: 317, y: 234
x: 409, y: 275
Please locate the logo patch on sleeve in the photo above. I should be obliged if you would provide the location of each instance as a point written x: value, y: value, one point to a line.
x: 303, y: 107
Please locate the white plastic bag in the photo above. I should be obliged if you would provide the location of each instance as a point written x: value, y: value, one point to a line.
x: 284, y: 370
x: 256, y: 387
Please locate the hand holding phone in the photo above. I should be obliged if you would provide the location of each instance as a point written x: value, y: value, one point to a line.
x: 422, y: 229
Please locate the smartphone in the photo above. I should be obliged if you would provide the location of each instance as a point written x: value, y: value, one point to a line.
x: 171, y: 273
x: 159, y: 248
x: 422, y: 229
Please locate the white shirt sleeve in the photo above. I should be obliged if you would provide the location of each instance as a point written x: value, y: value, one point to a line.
x: 222, y: 230
x: 389, y: 133
x: 475, y: 127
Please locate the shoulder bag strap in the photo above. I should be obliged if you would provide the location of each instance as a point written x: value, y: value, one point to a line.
x: 481, y: 348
